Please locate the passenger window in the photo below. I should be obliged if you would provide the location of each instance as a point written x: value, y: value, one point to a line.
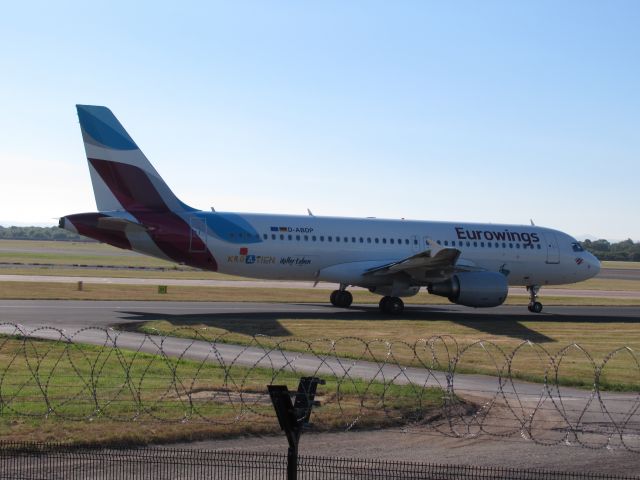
x: 439, y: 242
x: 481, y: 244
x: 281, y: 237
x: 346, y: 239
x: 511, y: 245
x: 264, y: 236
x: 273, y: 236
x: 361, y: 240
x: 391, y: 240
x: 368, y: 239
x: 468, y: 244
x: 337, y: 239
x: 322, y: 238
x: 353, y: 239
x: 306, y: 238
x: 313, y: 238
x: 446, y: 243
x: 475, y: 244
x: 329, y: 239
x: 504, y: 245
x: 384, y: 240
x: 377, y: 240
x: 298, y: 237
x: 539, y: 247
x: 517, y: 245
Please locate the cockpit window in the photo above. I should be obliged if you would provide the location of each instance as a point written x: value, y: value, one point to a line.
x: 577, y: 247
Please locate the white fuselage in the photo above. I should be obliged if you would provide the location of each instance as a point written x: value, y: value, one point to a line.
x: 287, y: 247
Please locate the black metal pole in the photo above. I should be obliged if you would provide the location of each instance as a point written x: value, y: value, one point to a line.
x: 292, y: 463
x: 292, y: 417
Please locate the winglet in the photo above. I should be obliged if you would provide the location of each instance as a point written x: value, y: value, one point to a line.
x: 434, y: 247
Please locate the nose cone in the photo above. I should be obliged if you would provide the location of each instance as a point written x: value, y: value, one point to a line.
x: 593, y: 265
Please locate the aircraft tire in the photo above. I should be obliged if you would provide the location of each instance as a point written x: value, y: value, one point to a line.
x: 344, y: 299
x: 391, y: 305
x: 341, y: 298
x: 535, y: 307
x: 333, y: 297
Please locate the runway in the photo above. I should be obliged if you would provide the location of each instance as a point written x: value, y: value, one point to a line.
x: 69, y: 314
x: 551, y: 291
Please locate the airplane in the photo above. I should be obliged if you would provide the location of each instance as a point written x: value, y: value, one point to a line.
x: 471, y: 264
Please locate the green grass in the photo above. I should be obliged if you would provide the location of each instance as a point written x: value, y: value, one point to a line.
x: 626, y: 265
x: 82, y: 253
x: 184, y: 273
x: 608, y: 284
x: 501, y: 337
x: 69, y: 291
x: 96, y: 394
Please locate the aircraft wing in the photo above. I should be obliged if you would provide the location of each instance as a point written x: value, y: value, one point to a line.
x: 436, y: 263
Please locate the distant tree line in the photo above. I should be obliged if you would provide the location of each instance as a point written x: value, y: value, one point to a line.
x: 626, y: 251
x: 41, y: 233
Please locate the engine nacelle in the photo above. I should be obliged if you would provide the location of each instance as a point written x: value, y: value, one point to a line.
x: 473, y: 289
x: 387, y: 290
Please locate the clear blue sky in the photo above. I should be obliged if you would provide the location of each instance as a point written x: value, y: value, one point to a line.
x: 495, y: 111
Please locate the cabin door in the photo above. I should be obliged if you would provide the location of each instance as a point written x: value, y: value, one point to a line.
x: 553, y: 253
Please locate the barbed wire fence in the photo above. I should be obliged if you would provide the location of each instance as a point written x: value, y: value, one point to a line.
x: 184, y: 377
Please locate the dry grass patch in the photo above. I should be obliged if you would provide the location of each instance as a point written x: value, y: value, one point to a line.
x: 69, y: 291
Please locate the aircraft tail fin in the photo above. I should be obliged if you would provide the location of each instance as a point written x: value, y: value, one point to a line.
x: 122, y: 177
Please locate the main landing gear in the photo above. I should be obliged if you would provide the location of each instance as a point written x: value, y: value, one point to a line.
x: 534, y: 305
x: 341, y: 298
x: 391, y: 305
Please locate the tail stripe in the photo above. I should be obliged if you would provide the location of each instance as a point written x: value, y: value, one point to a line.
x: 130, y: 185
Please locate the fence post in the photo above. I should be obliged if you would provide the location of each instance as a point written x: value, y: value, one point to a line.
x: 293, y: 417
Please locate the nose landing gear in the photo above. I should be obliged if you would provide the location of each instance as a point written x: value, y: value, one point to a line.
x: 534, y: 305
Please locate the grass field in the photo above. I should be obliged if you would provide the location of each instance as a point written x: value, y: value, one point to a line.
x: 501, y: 336
x: 69, y: 291
x: 95, y: 394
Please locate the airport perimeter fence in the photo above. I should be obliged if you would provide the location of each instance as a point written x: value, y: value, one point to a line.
x: 55, y: 462
x: 199, y: 386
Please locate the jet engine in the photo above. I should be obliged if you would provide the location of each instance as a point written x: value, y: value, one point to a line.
x: 473, y: 289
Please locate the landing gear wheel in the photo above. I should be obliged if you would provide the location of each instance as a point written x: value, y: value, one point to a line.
x: 332, y: 297
x: 391, y: 305
x: 535, y: 307
x: 341, y: 298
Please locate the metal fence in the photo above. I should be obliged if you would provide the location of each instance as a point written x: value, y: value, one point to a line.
x: 185, y: 378
x: 49, y: 461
